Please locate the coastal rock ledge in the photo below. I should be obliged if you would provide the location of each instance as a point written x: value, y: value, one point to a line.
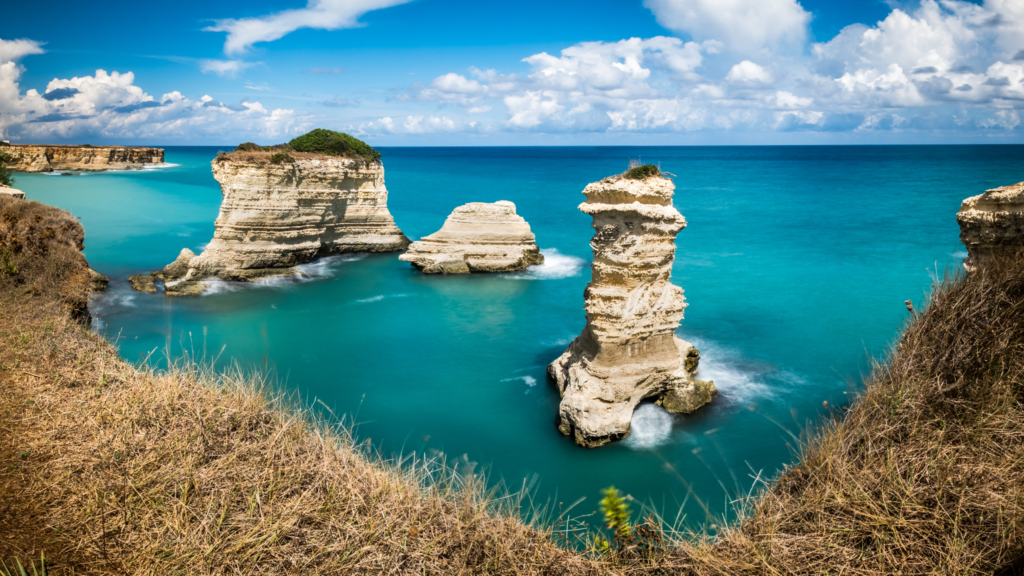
x: 628, y: 350
x: 992, y: 222
x: 38, y: 158
x: 276, y: 216
x: 477, y: 237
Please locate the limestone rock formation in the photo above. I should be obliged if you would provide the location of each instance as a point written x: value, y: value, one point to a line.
x: 628, y: 350
x: 276, y: 216
x: 142, y: 282
x: 38, y: 158
x: 12, y: 192
x: 992, y: 222
x: 477, y: 237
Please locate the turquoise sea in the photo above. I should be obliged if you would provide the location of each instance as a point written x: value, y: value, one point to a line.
x: 796, y: 263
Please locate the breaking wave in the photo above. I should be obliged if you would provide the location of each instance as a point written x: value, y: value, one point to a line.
x: 651, y: 426
x: 555, y: 267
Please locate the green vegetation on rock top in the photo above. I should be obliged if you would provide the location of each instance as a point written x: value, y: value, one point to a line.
x: 333, y: 143
x: 248, y: 147
x: 642, y: 172
x: 6, y: 175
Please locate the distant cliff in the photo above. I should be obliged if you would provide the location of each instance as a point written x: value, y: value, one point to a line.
x: 44, y: 158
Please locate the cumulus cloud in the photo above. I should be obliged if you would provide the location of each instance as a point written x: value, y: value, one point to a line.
x: 944, y: 65
x: 318, y: 14
x: 744, y: 26
x: 110, y: 105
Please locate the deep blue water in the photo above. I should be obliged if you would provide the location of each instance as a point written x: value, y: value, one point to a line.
x: 796, y: 263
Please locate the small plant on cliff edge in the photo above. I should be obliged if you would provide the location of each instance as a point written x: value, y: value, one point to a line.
x: 644, y: 539
x: 642, y: 172
x: 282, y: 157
x: 7, y: 267
x: 333, y: 143
x: 6, y: 175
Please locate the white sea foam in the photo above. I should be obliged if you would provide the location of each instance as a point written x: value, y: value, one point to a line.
x: 380, y: 297
x: 528, y: 380
x: 735, y: 377
x: 960, y: 254
x: 555, y: 267
x: 651, y: 426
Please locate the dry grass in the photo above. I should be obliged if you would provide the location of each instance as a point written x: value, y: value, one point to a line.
x: 114, y: 470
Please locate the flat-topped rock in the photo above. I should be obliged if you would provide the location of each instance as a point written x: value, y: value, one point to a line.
x: 477, y: 237
x: 276, y: 216
x: 628, y: 350
x: 47, y: 158
x: 992, y: 222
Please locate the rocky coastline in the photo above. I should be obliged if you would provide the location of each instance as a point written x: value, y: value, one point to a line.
x: 47, y: 158
x: 628, y: 350
x: 477, y: 237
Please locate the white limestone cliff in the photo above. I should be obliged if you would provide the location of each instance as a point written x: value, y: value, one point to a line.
x: 992, y: 222
x: 276, y: 216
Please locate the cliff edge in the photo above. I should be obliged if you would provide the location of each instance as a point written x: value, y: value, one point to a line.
x: 991, y: 222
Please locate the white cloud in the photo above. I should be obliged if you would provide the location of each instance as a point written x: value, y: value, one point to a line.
x: 318, y: 14
x: 748, y: 72
x: 14, y: 50
x: 110, y: 105
x: 744, y: 26
x: 229, y: 68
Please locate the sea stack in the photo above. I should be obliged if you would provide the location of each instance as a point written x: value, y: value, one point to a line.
x: 992, y: 222
x: 477, y: 237
x: 628, y: 350
x: 44, y: 158
x: 287, y: 205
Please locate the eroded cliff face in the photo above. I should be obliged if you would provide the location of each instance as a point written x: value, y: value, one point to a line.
x: 477, y: 237
x: 991, y: 222
x: 276, y: 216
x: 628, y: 350
x: 32, y: 158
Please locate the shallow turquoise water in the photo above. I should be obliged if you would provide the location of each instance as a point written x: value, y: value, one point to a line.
x: 795, y: 263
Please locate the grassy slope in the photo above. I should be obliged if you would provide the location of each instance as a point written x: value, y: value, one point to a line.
x: 113, y: 470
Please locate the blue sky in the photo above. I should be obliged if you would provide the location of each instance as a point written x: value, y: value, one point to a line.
x: 456, y: 72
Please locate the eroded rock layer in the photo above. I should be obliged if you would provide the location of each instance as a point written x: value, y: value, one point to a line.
x: 992, y: 222
x: 477, y: 237
x: 628, y: 350
x: 32, y: 158
x: 12, y: 192
x: 276, y: 216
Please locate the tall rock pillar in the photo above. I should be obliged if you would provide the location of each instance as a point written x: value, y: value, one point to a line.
x: 628, y: 350
x: 992, y: 223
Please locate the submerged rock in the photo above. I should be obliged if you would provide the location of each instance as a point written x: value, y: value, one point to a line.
x: 275, y: 216
x: 143, y: 282
x: 628, y: 350
x: 992, y: 222
x: 477, y: 237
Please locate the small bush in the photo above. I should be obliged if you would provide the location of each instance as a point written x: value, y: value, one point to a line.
x: 642, y: 172
x: 333, y: 143
x: 248, y: 147
x: 85, y: 145
x: 6, y: 174
x: 2, y: 143
x: 282, y: 157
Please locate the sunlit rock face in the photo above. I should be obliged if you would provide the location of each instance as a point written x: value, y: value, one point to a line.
x: 992, y: 222
x: 276, y: 216
x: 11, y: 192
x: 477, y: 237
x: 628, y: 350
x: 32, y: 158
